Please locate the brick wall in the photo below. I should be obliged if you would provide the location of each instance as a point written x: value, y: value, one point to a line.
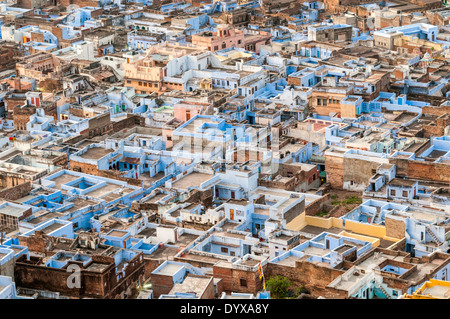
x: 203, y: 197
x: 294, y: 211
x: 161, y: 284
x: 129, y: 122
x: 77, y: 112
x: 84, y: 167
x: 312, y: 276
x: 21, y: 117
x: 150, y: 265
x: 359, y: 171
x: 38, y: 37
x: 334, y: 166
x: 39, y: 243
x: 238, y: 280
x: 209, y: 290
x: 94, y: 284
x: 144, y: 206
x: 422, y: 170
x: 16, y: 192
x: 313, y: 208
x: 81, y: 4
x: 44, y: 278
x: 294, y: 81
x: 441, y: 110
x: 288, y: 185
x: 7, y: 269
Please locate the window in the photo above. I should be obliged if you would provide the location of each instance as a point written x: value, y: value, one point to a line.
x: 405, y: 193
x: 243, y: 282
x: 392, y: 192
x: 224, y: 250
x: 232, y: 253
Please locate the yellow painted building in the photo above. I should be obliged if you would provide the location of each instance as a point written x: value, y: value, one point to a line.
x: 433, y: 289
x: 371, y: 233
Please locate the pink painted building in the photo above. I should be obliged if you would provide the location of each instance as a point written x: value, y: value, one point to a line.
x: 224, y: 38
x: 186, y: 110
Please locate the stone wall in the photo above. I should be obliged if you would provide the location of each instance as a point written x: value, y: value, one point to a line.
x: 238, y: 280
x: 16, y: 192
x: 161, y: 284
x: 358, y: 172
x: 422, y: 170
x: 334, y: 166
x: 313, y: 208
x: 294, y: 211
x: 313, y: 277
x: 93, y: 284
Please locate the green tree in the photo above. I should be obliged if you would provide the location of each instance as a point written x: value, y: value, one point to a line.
x: 278, y: 286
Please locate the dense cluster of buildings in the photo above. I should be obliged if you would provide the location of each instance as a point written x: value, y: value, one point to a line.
x: 202, y: 149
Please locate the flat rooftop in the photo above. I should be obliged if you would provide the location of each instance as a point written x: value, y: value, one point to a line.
x: 191, y: 284
x: 316, y: 251
x: 402, y: 182
x: 95, y: 153
x: 193, y: 179
x: 186, y: 239
x: 200, y: 258
x: 290, y: 260
x: 169, y: 269
x: 51, y: 228
x: 163, y: 253
x: 64, y: 179
x: 12, y: 211
x: 117, y: 233
x: 79, y: 203
x: 108, y: 188
x: 318, y: 230
x: 96, y: 267
x: 437, y: 291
